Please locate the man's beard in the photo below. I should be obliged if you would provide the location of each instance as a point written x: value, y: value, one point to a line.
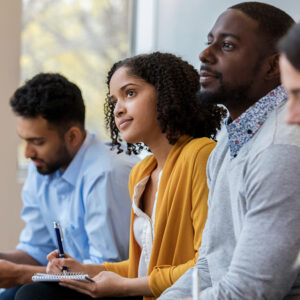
x: 63, y: 160
x: 230, y: 97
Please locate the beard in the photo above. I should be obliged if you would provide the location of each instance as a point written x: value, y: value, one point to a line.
x: 63, y: 160
x: 230, y: 97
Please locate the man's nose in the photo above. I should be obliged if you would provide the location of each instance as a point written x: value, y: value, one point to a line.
x: 208, y: 56
x: 29, y: 151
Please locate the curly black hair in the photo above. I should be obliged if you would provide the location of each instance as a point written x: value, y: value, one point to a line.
x: 53, y: 97
x: 179, y: 112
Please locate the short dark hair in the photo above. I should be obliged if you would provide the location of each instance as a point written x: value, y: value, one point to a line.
x: 176, y: 83
x: 273, y: 22
x: 290, y: 46
x: 53, y: 97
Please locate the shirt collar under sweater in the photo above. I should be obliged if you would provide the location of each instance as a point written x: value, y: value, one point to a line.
x: 242, y: 129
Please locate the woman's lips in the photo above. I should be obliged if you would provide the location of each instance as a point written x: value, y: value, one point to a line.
x: 125, y: 123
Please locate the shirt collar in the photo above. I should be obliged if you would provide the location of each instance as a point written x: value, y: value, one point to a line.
x: 71, y: 173
x: 242, y: 129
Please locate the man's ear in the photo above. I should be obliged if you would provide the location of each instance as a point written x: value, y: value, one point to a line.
x: 73, y: 138
x: 273, y: 70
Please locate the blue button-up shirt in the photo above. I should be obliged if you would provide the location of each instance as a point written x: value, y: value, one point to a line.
x: 243, y: 128
x: 91, y: 202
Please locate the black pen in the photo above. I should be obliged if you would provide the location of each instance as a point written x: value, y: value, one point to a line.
x: 59, y: 242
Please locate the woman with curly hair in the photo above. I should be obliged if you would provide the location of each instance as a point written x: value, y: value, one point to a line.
x: 152, y: 103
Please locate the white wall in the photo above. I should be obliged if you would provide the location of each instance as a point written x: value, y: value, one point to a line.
x: 10, y: 204
x: 181, y: 26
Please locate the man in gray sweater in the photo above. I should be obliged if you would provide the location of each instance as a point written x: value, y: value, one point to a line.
x: 251, y: 242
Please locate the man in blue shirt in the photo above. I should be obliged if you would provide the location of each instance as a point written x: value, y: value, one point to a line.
x: 73, y: 179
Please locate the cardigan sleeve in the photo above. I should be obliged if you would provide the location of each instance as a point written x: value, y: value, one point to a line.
x: 164, y: 276
x: 120, y: 268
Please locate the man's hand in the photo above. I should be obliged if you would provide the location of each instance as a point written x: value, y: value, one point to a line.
x: 56, y: 264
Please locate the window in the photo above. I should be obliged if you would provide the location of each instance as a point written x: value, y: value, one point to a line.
x: 80, y: 39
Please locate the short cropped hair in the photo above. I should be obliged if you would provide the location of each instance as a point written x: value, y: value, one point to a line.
x: 273, y: 22
x: 176, y: 83
x: 53, y: 97
x: 290, y: 46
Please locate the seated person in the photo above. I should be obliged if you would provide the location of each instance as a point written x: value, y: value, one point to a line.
x: 73, y: 179
x: 151, y: 100
x: 251, y: 242
x: 290, y: 72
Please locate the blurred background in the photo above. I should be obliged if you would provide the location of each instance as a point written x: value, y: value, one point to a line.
x: 81, y: 39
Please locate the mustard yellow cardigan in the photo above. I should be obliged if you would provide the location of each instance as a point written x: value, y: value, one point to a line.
x: 181, y: 212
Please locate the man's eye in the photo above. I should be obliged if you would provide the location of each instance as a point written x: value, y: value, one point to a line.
x: 130, y: 93
x: 227, y: 46
x: 38, y: 143
x: 208, y: 43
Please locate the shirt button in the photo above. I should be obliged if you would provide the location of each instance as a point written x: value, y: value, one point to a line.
x: 249, y: 131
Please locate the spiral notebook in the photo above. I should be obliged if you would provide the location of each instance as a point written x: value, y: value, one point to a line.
x: 56, y: 277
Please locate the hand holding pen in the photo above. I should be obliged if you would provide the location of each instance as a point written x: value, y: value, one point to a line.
x: 59, y: 238
x: 55, y: 264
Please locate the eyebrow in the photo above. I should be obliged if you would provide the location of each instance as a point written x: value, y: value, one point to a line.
x: 224, y: 35
x: 32, y: 139
x: 295, y: 91
x: 126, y: 85
x: 110, y: 97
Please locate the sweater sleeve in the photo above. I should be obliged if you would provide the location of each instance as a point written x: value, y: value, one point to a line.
x: 163, y: 277
x: 120, y: 268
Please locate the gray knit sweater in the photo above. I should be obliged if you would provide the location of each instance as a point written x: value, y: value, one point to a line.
x: 251, y: 242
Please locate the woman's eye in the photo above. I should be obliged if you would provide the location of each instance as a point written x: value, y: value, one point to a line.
x: 130, y: 93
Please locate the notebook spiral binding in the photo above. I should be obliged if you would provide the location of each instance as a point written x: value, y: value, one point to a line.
x: 56, y: 277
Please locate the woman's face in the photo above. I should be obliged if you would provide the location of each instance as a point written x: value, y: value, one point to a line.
x: 135, y: 107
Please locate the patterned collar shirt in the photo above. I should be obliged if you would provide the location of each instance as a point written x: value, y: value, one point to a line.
x: 242, y: 129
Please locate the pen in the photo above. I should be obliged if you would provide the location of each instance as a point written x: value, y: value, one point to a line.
x: 59, y: 242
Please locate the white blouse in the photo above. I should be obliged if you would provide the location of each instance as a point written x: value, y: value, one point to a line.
x: 143, y: 225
